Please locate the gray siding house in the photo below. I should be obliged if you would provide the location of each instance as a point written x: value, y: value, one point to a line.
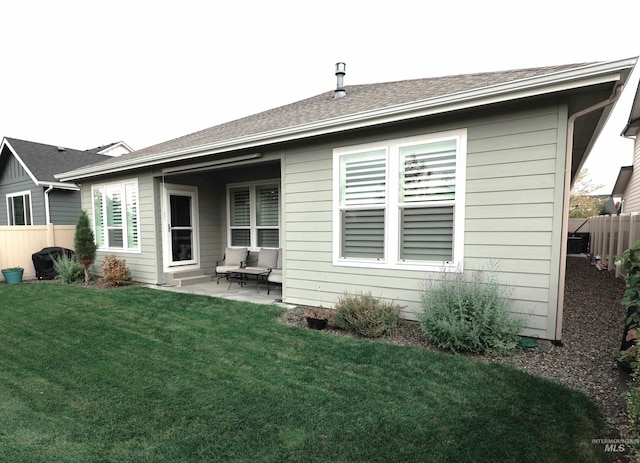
x: 375, y: 187
x: 29, y: 193
x: 627, y: 186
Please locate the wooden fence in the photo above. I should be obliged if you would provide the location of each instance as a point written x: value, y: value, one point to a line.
x: 611, y: 235
x: 17, y: 244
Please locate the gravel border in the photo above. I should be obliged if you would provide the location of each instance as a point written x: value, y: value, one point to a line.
x: 593, y: 326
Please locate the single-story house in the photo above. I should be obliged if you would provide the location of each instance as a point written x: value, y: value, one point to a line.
x: 29, y: 192
x: 375, y: 187
x: 627, y: 186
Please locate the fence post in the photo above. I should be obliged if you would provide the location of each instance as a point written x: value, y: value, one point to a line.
x: 597, y: 238
x: 51, y: 235
x: 633, y: 218
x: 622, y: 225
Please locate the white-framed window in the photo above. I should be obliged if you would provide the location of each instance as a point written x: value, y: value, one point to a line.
x: 116, y: 220
x: 19, y: 210
x: 254, y: 214
x: 400, y: 203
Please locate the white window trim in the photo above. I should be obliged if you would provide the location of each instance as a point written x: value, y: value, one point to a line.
x: 121, y: 184
x: 391, y: 258
x: 10, y: 197
x: 253, y: 227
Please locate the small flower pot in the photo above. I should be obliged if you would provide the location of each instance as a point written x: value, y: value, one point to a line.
x: 12, y: 276
x: 316, y: 323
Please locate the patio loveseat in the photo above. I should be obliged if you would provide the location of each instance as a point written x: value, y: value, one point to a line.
x: 233, y: 258
x: 269, y: 260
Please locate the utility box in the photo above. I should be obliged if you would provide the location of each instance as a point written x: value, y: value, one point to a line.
x: 574, y: 245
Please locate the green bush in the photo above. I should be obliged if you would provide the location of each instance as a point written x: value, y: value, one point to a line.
x: 69, y: 270
x: 469, y: 315
x: 115, y: 270
x: 630, y: 262
x: 366, y: 315
x: 632, y: 397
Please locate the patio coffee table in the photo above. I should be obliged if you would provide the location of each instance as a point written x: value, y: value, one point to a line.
x: 240, y: 275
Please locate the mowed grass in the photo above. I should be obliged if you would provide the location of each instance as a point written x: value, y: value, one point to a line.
x: 140, y: 375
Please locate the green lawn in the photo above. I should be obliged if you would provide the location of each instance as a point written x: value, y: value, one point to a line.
x: 140, y: 375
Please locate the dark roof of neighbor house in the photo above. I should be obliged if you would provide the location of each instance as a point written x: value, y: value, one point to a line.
x: 43, y: 161
x: 362, y: 103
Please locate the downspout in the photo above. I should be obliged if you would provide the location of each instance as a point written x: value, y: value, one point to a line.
x: 565, y: 208
x: 47, y: 212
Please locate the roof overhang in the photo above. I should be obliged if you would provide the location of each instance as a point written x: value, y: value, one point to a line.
x: 615, y: 72
x: 622, y: 181
x: 633, y: 126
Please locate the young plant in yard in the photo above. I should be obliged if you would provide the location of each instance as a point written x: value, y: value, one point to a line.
x: 366, y: 315
x: 469, y: 315
x: 115, y: 271
x: 68, y: 269
x: 85, y: 244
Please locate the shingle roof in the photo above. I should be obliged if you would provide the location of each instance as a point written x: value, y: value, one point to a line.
x: 360, y: 98
x: 45, y: 160
x: 363, y: 105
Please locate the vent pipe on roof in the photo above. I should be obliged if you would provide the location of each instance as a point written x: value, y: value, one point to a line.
x: 340, y: 72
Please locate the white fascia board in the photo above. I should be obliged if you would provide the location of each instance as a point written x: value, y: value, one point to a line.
x: 60, y: 185
x: 120, y: 143
x: 523, y: 88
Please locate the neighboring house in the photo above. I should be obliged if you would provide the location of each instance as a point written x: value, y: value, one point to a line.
x: 29, y: 192
x: 374, y: 187
x: 627, y: 186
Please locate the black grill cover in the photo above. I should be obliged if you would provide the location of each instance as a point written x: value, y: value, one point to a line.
x: 43, y: 261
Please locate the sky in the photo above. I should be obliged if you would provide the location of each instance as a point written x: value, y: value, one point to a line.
x: 81, y: 74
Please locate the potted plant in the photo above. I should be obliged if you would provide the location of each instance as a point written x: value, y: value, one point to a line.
x: 317, y: 317
x: 12, y: 275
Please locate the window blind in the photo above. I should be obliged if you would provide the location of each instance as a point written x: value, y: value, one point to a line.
x: 98, y: 217
x: 267, y: 206
x: 240, y: 207
x: 427, y: 233
x: 364, y: 178
x: 363, y: 233
x: 131, y: 195
x: 428, y: 172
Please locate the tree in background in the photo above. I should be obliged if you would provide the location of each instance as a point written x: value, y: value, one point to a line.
x: 582, y: 202
x: 85, y: 244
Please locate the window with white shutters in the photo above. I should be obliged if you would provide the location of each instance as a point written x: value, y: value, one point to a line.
x: 254, y: 215
x: 240, y: 215
x: 400, y: 203
x: 427, y: 188
x: 116, y: 216
x: 363, y: 193
x: 268, y: 216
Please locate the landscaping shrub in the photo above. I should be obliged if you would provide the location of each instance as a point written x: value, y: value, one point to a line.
x: 69, y: 269
x: 84, y: 244
x: 115, y: 270
x: 469, y: 315
x: 630, y: 262
x: 366, y: 315
x: 632, y: 397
